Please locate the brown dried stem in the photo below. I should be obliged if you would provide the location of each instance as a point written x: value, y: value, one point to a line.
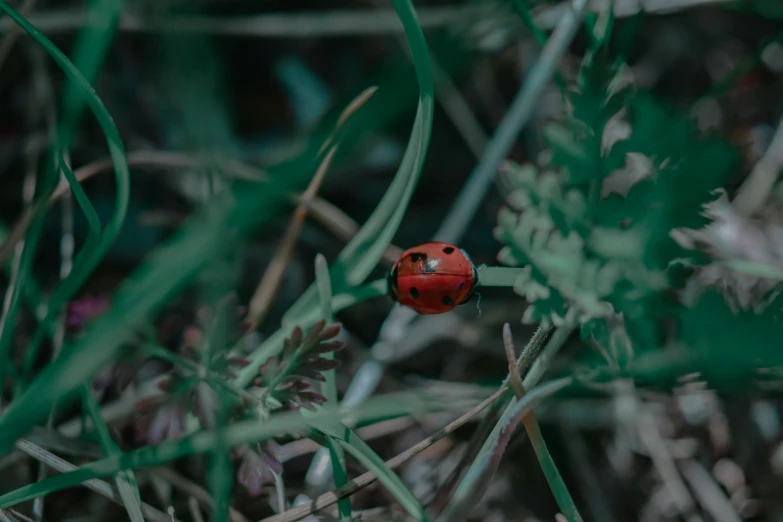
x: 332, y: 218
x: 267, y: 288
x: 362, y: 481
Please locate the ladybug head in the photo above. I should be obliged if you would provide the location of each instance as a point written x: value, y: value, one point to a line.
x: 391, y: 281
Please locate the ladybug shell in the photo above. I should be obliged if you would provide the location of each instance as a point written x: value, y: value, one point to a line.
x: 432, y: 278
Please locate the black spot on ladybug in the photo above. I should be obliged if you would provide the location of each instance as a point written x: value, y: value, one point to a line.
x: 448, y: 301
x: 448, y: 250
x: 414, y: 292
x: 416, y: 256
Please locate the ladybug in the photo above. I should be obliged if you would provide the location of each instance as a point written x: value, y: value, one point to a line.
x: 433, y: 278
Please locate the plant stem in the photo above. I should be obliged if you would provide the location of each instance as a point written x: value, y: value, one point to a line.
x: 329, y: 388
x: 548, y: 466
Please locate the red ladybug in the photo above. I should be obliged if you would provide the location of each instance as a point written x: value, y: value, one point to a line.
x: 433, y: 278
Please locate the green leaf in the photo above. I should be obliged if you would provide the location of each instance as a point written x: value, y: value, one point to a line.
x: 566, y: 149
x: 733, y: 352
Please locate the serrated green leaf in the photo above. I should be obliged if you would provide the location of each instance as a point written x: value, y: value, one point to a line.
x: 567, y: 151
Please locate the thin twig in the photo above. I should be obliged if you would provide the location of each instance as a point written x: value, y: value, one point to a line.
x: 513, y: 370
x: 332, y: 218
x: 280, y: 492
x: 708, y: 492
x: 664, y: 462
x: 528, y: 355
x: 556, y: 483
x: 480, y: 474
x: 755, y: 190
x: 195, y: 510
x: 267, y: 288
x: 99, y: 486
x: 7, y: 45
x: 302, y: 447
x: 194, y: 490
x: 369, y: 477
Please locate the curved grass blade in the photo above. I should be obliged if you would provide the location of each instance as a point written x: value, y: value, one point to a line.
x: 386, y: 406
x: 94, y: 225
x: 89, y: 53
x: 372, y: 462
x: 478, y: 477
x: 21, y: 279
x: 93, y: 221
x: 214, y: 229
x: 362, y: 253
x: 359, y: 449
x: 542, y: 360
x: 85, y: 262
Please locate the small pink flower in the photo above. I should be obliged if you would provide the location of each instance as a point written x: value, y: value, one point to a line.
x: 79, y: 312
x: 160, y: 418
x: 258, y: 465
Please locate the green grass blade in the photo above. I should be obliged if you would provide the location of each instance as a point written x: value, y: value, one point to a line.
x: 359, y: 449
x: 225, y: 220
x: 371, y: 461
x: 498, y: 275
x: 94, y: 224
x: 361, y: 254
x: 478, y: 476
x: 127, y: 486
x: 481, y: 464
x: 384, y: 406
x: 89, y: 53
x: 84, y: 266
x: 340, y: 474
x: 556, y: 483
x: 329, y: 388
x: 324, y: 284
x: 464, y: 207
x: 93, y: 221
